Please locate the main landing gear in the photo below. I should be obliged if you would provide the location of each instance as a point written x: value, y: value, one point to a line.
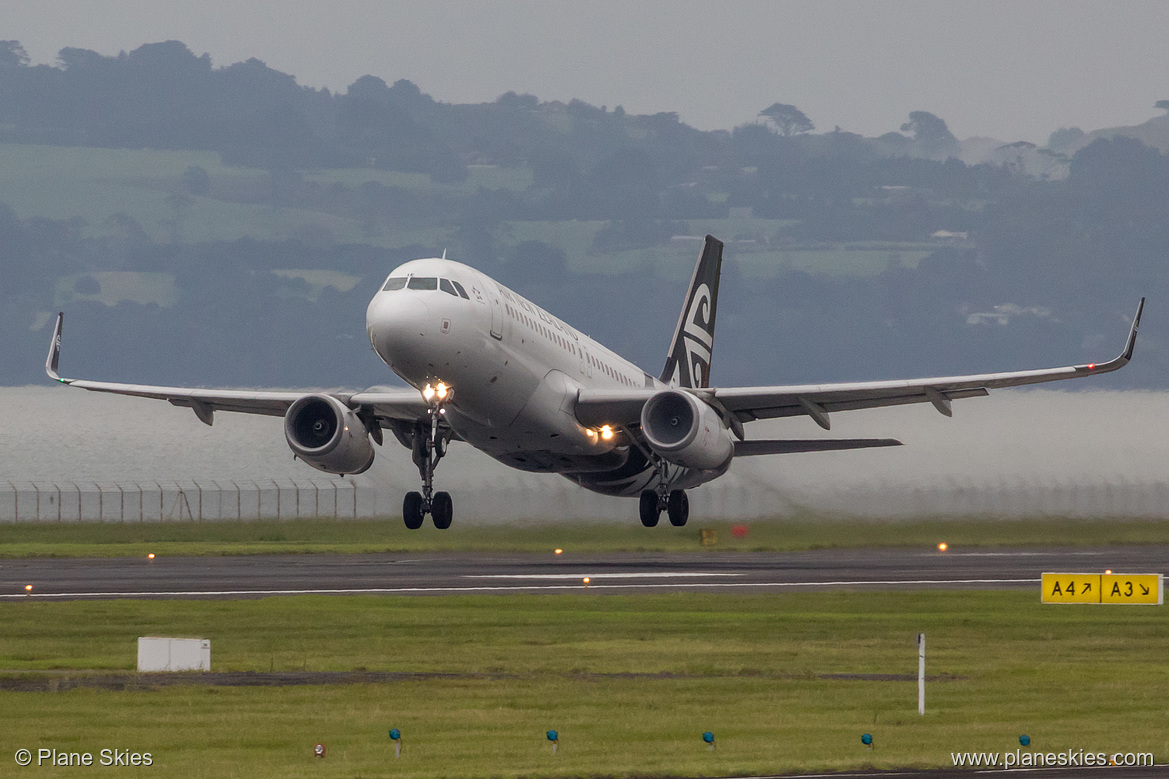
x: 428, y: 448
x: 674, y: 503
x: 654, y: 502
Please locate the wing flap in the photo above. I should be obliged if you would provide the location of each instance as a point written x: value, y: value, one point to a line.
x: 765, y: 406
x: 753, y: 448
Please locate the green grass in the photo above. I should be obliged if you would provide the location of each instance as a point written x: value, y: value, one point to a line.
x: 63, y: 182
x: 117, y: 539
x: 630, y: 682
x: 478, y: 176
x: 117, y: 286
x: 838, y: 261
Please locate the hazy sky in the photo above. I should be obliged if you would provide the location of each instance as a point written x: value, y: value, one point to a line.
x: 1014, y: 70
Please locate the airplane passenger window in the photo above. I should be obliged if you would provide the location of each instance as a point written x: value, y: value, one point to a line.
x: 447, y: 287
x: 423, y: 282
x: 393, y: 284
x: 462, y: 292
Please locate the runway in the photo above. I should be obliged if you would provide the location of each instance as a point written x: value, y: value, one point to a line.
x: 466, y: 573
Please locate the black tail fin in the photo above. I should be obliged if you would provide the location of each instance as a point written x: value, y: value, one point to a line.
x: 688, y: 363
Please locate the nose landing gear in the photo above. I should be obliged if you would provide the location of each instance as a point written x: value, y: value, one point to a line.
x: 428, y: 447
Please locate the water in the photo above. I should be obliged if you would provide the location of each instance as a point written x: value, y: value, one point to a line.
x: 1015, y: 453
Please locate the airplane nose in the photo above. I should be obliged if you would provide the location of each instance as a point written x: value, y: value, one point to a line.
x: 398, y: 324
x: 396, y: 315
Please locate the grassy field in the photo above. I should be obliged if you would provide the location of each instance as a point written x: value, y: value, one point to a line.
x: 630, y: 682
x: 115, y: 539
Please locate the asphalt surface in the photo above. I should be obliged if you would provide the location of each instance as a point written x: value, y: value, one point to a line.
x: 438, y: 574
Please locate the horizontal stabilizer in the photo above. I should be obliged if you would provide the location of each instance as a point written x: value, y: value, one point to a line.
x: 751, y: 448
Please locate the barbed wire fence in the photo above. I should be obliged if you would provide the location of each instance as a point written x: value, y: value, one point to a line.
x: 167, y: 501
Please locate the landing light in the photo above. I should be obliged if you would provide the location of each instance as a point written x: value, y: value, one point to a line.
x: 437, y: 393
x: 606, y: 432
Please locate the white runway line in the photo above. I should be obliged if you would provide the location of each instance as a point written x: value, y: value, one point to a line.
x: 578, y: 576
x: 1028, y: 554
x: 502, y: 588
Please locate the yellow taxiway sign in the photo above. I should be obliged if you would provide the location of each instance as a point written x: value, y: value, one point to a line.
x: 1144, y: 588
x: 1130, y: 588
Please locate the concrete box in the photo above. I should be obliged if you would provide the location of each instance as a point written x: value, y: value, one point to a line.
x: 157, y: 653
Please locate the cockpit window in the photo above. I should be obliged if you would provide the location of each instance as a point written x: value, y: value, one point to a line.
x: 423, y: 282
x: 393, y: 284
x: 445, y: 286
x: 462, y: 292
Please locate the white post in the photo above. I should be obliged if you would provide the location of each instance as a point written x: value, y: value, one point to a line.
x: 921, y: 673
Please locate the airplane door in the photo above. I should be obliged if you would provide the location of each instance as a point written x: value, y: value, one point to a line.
x: 496, y: 318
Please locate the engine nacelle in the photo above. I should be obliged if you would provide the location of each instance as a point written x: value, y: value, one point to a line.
x: 685, y: 431
x: 327, y: 435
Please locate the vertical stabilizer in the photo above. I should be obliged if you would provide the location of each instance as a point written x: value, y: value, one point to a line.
x: 688, y: 363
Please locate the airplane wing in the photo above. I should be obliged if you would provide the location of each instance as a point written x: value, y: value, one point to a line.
x: 818, y: 401
x: 385, y: 404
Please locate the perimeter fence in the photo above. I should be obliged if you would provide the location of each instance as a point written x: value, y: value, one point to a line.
x: 182, y: 501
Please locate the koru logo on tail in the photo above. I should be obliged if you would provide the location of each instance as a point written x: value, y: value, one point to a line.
x: 698, y: 336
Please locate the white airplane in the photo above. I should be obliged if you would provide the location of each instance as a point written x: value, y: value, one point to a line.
x: 494, y: 370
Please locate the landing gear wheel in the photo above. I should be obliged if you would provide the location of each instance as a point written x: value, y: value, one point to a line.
x: 648, y: 506
x: 678, y: 508
x: 412, y: 510
x: 442, y: 510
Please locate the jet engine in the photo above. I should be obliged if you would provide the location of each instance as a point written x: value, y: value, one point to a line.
x: 327, y: 435
x: 685, y: 431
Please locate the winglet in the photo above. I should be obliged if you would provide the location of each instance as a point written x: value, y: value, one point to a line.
x: 1126, y: 355
x: 54, y: 357
x: 1132, y: 334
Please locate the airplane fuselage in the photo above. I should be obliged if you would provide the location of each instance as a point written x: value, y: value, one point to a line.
x: 515, y: 371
